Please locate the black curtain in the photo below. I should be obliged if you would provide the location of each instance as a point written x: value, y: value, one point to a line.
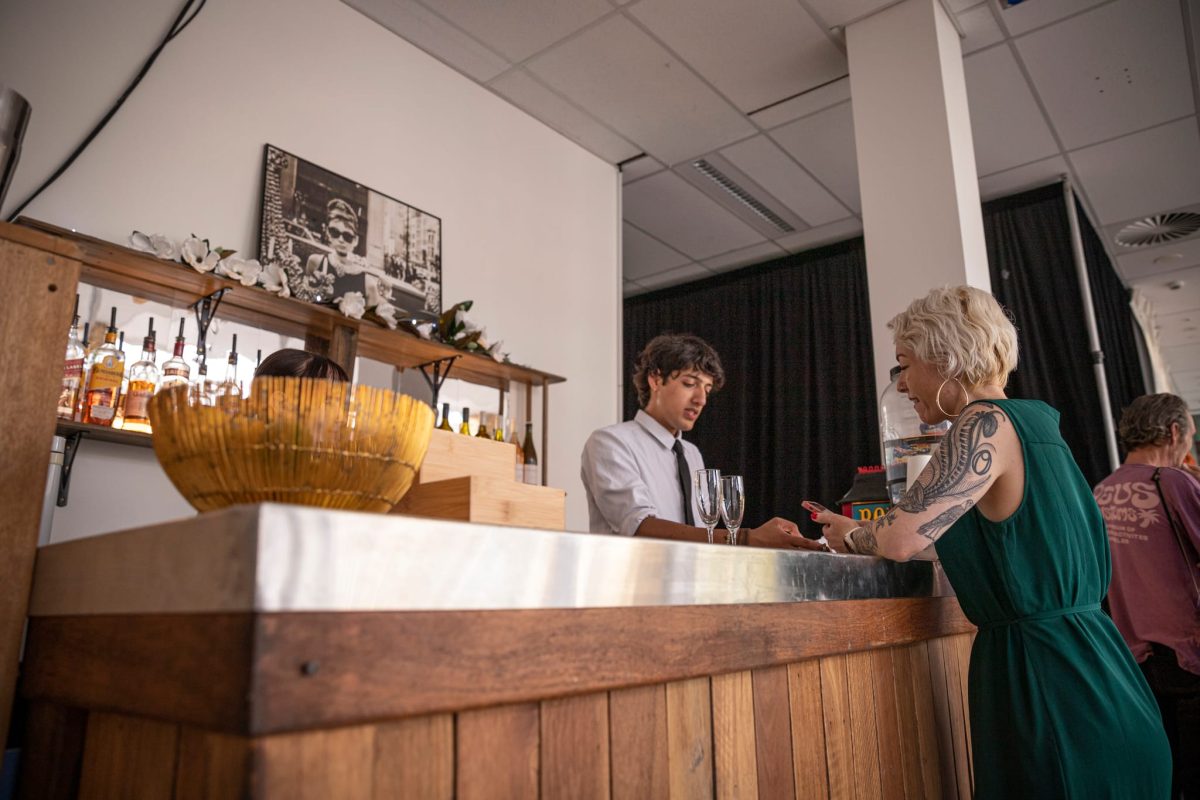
x: 798, y: 411
x: 1033, y: 275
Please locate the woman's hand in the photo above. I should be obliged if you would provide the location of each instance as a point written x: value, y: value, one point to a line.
x: 833, y: 526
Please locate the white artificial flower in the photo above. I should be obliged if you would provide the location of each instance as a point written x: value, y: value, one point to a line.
x: 243, y: 270
x: 163, y: 247
x: 386, y: 312
x: 352, y: 304
x: 195, y: 254
x: 141, y: 241
x: 274, y: 280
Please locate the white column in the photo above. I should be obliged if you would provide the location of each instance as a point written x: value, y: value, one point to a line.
x: 916, y: 162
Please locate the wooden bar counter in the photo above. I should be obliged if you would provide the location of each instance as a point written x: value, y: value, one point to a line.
x: 286, y: 652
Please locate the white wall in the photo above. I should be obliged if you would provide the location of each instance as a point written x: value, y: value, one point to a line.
x: 530, y: 220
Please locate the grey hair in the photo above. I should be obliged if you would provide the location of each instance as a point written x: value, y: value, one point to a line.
x: 1147, y: 422
x: 961, y: 330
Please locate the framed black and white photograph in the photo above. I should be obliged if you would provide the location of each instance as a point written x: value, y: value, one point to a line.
x: 334, y: 236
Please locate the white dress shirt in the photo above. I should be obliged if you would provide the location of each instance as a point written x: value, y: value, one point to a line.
x: 629, y: 473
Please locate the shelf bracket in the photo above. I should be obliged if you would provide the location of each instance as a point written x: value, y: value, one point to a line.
x: 64, y: 479
x: 206, y: 309
x: 435, y: 373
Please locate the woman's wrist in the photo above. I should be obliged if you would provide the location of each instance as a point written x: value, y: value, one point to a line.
x: 848, y: 540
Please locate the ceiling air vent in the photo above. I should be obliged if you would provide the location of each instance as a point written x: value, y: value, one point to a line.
x: 1159, y: 229
x: 749, y: 201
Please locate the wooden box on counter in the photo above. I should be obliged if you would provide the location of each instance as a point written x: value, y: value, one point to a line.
x: 474, y: 480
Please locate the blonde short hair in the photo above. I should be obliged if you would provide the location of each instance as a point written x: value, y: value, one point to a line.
x: 962, y: 331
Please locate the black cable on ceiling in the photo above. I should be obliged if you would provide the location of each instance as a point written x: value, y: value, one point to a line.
x: 181, y: 22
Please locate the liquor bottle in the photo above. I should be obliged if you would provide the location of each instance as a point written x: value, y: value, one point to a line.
x: 87, y: 369
x: 465, y: 427
x: 104, y: 379
x: 119, y: 417
x: 201, y: 390
x: 143, y: 380
x: 175, y: 371
x: 482, y: 432
x: 498, y: 425
x: 444, y: 425
x: 229, y: 391
x: 68, y: 396
x: 533, y: 471
x: 514, y: 440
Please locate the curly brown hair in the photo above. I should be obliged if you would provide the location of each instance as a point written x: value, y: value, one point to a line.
x: 1147, y: 422
x: 670, y: 353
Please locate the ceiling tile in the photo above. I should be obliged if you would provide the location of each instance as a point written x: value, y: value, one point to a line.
x: 791, y: 53
x: 841, y: 12
x: 642, y: 254
x: 1180, y: 328
x: 1018, y: 179
x: 1027, y: 16
x: 1145, y: 173
x: 824, y: 144
x: 980, y: 29
x: 1006, y: 124
x: 413, y: 22
x: 1127, y: 69
x: 1135, y: 264
x: 1182, y: 356
x: 958, y: 6
x: 1165, y: 300
x: 640, y: 168
x: 674, y: 212
x: 812, y: 101
x: 772, y: 169
x: 525, y: 92
x: 620, y: 74
x: 817, y: 237
x: 630, y: 288
x: 506, y: 27
x: 755, y: 254
x: 673, y: 277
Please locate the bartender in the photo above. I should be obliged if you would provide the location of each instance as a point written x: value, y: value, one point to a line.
x: 638, y: 474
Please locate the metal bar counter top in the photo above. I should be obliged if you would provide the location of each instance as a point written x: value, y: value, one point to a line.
x: 278, y: 558
x: 281, y: 651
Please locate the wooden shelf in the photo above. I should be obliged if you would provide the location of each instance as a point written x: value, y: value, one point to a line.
x: 111, y: 266
x: 103, y: 434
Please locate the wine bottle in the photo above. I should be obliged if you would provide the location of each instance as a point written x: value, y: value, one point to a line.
x: 444, y: 425
x: 465, y: 427
x: 482, y: 431
x: 104, y: 379
x: 533, y: 470
x: 515, y: 441
x: 143, y: 380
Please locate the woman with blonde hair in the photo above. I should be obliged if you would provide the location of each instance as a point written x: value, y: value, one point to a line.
x: 1058, y: 706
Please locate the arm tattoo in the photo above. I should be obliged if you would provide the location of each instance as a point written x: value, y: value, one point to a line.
x: 960, y: 465
x: 864, y: 540
x: 931, y: 529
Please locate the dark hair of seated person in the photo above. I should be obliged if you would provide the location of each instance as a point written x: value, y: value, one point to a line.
x: 289, y: 363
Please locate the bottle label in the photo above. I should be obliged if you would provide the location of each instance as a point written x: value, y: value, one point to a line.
x: 107, y: 374
x: 100, y: 405
x: 533, y: 474
x: 136, y: 405
x: 181, y: 372
x: 73, y: 368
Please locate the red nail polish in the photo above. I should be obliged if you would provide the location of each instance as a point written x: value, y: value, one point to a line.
x: 814, y: 516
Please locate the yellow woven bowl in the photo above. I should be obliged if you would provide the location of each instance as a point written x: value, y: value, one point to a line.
x: 293, y: 440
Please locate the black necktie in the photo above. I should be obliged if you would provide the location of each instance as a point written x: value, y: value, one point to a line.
x: 685, y: 482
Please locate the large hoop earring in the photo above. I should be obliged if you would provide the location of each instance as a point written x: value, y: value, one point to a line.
x: 938, y: 398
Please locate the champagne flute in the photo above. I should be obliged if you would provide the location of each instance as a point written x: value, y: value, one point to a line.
x: 733, y: 504
x: 707, y: 488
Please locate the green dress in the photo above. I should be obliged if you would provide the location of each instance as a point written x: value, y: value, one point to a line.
x: 1059, y: 708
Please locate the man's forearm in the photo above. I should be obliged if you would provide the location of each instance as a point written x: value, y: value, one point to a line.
x: 655, y: 528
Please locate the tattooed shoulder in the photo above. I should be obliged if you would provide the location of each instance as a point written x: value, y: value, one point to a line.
x: 962, y: 462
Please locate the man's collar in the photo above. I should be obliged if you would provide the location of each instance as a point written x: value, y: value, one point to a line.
x: 655, y: 429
